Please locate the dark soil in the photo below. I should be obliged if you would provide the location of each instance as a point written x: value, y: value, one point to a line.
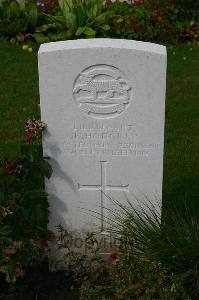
x: 40, y: 284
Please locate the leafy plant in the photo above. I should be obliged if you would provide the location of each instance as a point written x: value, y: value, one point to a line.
x: 23, y: 205
x: 53, y: 20
x: 120, y: 275
x: 17, y: 20
x: 190, y: 7
x: 80, y: 13
x: 77, y: 18
x: 173, y: 241
x: 151, y: 21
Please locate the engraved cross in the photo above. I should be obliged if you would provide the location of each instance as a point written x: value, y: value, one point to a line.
x: 103, y: 187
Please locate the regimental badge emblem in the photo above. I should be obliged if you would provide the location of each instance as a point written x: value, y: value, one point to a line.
x: 102, y: 91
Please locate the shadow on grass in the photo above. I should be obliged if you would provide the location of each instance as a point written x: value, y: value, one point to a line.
x: 183, y: 195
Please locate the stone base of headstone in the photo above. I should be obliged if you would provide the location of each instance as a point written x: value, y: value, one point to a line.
x: 102, y: 244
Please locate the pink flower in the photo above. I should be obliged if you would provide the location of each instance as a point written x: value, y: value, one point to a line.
x: 114, y: 259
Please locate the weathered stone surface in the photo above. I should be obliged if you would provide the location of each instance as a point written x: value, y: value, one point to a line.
x: 103, y: 101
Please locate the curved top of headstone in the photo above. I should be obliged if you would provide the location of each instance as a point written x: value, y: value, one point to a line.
x: 103, y: 43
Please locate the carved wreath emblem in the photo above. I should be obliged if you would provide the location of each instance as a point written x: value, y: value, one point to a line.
x: 102, y: 91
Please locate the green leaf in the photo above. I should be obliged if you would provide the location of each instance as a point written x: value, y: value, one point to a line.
x: 40, y: 38
x: 65, y: 6
x: 5, y: 230
x: 80, y: 31
x: 46, y: 168
x: 106, y: 27
x: 101, y: 19
x: 119, y: 20
x: 36, y: 194
x: 71, y: 21
x: 13, y: 10
x: 61, y: 36
x: 88, y: 31
x: 55, y: 19
x: 57, y: 36
x: 31, y: 13
x: 45, y: 27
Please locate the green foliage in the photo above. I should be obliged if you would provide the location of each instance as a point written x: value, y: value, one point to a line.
x: 120, y: 275
x: 80, y: 13
x: 76, y: 18
x: 130, y: 278
x: 17, y: 20
x: 143, y: 20
x: 23, y: 208
x: 152, y: 21
x: 173, y: 241
x: 191, y: 6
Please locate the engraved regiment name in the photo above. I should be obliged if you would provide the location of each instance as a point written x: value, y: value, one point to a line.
x: 96, y: 139
x: 102, y: 91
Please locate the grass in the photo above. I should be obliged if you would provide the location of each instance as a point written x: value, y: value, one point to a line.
x: 181, y: 163
x: 19, y: 95
x: 19, y: 98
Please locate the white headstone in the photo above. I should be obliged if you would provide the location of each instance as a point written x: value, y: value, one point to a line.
x: 103, y: 101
